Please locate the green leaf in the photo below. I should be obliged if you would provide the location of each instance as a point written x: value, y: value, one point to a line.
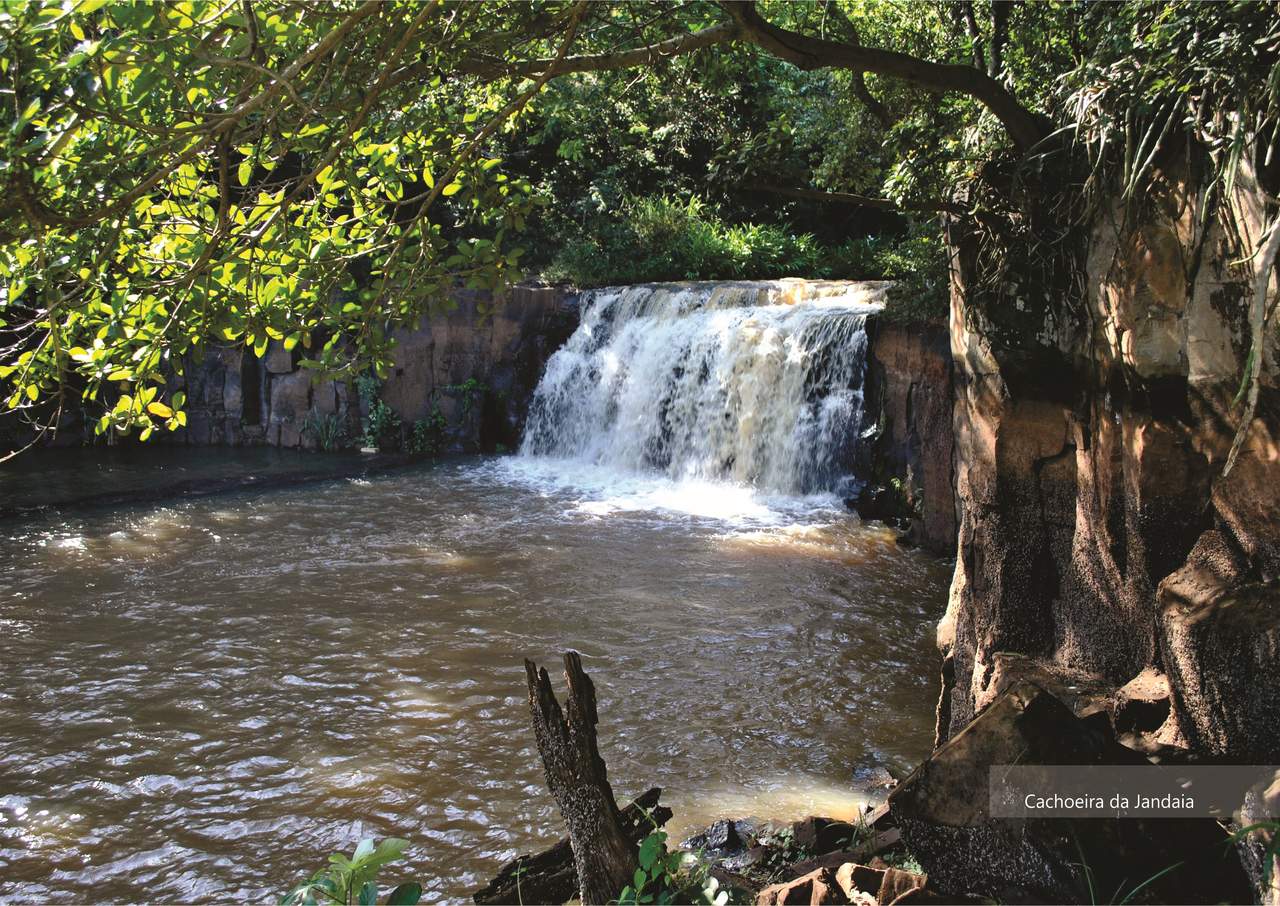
x: 160, y: 410
x: 452, y: 189
x: 650, y: 849
x: 406, y: 894
x: 368, y: 894
x: 365, y: 848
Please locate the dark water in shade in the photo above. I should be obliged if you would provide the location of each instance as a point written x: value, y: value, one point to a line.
x: 199, y: 701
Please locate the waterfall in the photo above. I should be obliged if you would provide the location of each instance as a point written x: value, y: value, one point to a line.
x: 756, y: 383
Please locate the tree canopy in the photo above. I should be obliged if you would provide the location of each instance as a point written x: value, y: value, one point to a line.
x: 318, y: 173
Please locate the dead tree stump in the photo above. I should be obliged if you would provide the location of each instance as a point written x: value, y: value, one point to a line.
x: 549, y: 877
x: 603, y: 855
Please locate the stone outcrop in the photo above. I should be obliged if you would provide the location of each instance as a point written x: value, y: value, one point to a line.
x: 909, y: 392
x: 942, y: 811
x: 1098, y: 537
x: 477, y: 363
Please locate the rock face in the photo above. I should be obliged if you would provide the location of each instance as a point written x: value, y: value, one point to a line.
x: 1098, y: 536
x: 942, y: 811
x: 910, y: 396
x: 478, y: 364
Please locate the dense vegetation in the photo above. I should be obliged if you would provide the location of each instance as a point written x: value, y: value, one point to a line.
x: 317, y: 173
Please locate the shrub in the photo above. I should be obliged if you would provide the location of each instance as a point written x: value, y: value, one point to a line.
x: 671, y: 877
x: 659, y: 238
x: 428, y: 434
x: 326, y: 430
x: 381, y: 424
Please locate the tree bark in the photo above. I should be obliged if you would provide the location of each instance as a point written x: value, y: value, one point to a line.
x: 603, y: 855
x: 550, y: 877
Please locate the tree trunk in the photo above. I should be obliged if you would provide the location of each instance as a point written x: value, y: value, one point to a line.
x: 549, y: 877
x: 604, y: 857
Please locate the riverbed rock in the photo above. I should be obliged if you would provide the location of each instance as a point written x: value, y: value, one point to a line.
x: 818, y: 835
x: 850, y: 883
x: 942, y: 810
x: 718, y: 840
x: 817, y: 887
x: 883, y: 886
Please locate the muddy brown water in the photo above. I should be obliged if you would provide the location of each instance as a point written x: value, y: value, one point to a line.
x: 200, y: 700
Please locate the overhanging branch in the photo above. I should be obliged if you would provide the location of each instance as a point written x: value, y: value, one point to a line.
x: 1024, y: 127
x: 867, y: 201
x: 625, y: 59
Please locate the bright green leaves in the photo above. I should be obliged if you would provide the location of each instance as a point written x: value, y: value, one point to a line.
x: 354, y: 879
x: 174, y: 190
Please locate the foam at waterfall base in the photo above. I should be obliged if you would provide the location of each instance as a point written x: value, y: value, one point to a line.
x: 592, y: 490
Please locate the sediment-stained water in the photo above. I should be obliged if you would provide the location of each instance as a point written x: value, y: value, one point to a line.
x: 201, y: 700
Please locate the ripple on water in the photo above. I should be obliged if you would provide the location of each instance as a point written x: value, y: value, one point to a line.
x: 207, y: 719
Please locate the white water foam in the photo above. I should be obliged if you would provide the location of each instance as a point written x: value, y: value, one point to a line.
x: 738, y: 401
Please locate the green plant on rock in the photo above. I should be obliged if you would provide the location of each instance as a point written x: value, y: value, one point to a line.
x: 326, y: 430
x: 671, y: 877
x: 428, y: 434
x: 469, y: 390
x: 381, y: 424
x: 354, y: 879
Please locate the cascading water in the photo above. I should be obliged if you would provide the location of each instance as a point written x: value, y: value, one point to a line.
x: 755, y: 383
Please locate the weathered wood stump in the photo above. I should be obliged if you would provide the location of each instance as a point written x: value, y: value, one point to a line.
x: 603, y: 854
x: 550, y: 877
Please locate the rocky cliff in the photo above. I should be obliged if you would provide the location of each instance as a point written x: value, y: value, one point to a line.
x: 909, y: 390
x: 1099, y: 539
x: 478, y: 364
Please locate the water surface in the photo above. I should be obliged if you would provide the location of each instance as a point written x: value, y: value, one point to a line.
x: 200, y: 700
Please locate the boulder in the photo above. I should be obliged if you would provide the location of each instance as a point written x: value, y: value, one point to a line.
x: 863, y: 884
x: 942, y: 811
x: 881, y: 504
x: 818, y: 836
x: 815, y: 888
x: 720, y: 839
x: 290, y: 400
x: 850, y: 883
x: 278, y: 360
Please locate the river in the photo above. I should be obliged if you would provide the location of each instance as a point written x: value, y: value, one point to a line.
x: 200, y: 700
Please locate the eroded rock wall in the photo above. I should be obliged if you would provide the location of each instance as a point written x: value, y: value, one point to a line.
x: 478, y: 363
x: 909, y: 392
x: 1098, y: 537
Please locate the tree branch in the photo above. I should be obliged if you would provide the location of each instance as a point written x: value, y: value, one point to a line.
x: 866, y: 201
x: 975, y: 34
x: 640, y: 56
x: 1000, y: 10
x: 1024, y: 127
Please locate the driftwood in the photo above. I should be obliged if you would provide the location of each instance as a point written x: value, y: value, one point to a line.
x: 604, y: 857
x: 550, y: 877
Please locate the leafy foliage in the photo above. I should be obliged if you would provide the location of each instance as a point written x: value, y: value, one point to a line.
x: 327, y: 431
x: 428, y: 434
x: 381, y: 423
x: 670, y: 877
x: 189, y: 172
x: 661, y: 238
x: 353, y: 879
